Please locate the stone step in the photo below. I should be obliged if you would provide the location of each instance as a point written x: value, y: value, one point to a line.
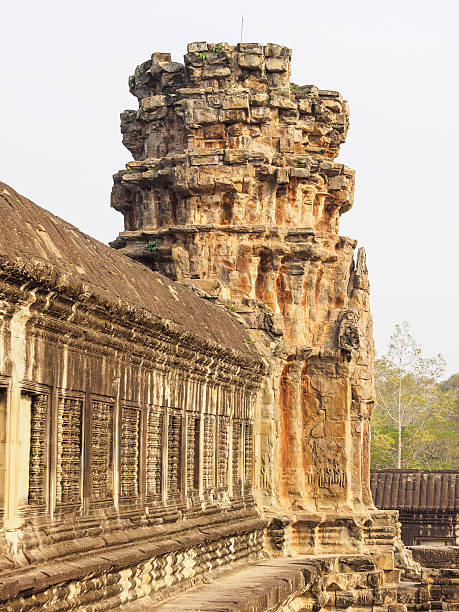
x: 408, y: 592
x: 267, y: 584
x: 357, y: 580
x: 258, y: 587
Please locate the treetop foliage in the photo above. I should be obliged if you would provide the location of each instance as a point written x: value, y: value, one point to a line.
x: 416, y: 417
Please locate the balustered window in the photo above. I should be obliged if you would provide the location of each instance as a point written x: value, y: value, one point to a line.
x: 223, y: 452
x: 3, y: 413
x: 154, y: 452
x: 38, y: 449
x: 208, y: 469
x: 69, y: 438
x: 248, y: 455
x: 129, y: 472
x: 174, y: 454
x: 102, y: 451
x: 193, y: 452
x: 236, y: 458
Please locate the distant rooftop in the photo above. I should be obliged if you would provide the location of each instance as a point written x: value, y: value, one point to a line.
x: 415, y: 489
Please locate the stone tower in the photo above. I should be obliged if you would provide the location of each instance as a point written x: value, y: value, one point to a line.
x: 235, y: 191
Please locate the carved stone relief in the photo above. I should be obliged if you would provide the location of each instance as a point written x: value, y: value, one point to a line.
x: 193, y: 464
x: 102, y: 451
x: 223, y: 452
x: 248, y: 455
x: 174, y: 463
x: 154, y: 451
x: 208, y: 470
x: 69, y: 440
x: 38, y: 439
x: 129, y: 473
x: 237, y: 457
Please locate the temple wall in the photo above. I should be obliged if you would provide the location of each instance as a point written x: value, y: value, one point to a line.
x: 124, y: 443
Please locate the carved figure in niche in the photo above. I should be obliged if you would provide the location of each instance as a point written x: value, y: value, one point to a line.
x: 329, y: 462
x: 349, y: 339
x: 361, y: 267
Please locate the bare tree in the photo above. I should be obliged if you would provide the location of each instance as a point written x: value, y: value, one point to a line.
x: 407, y: 393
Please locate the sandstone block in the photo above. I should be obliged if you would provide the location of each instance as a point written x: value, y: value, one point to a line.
x: 235, y: 156
x: 203, y: 116
x: 384, y: 560
x: 300, y: 173
x: 160, y: 57
x: 197, y: 47
x: 235, y: 101
x: 204, y: 160
x: 333, y: 105
x: 286, y: 144
x: 260, y: 114
x: 209, y: 72
x: 153, y: 102
x: 282, y: 176
x: 250, y: 48
x: 233, y: 116
x: 250, y: 60
x: 260, y: 99
x: 172, y: 67
x: 273, y: 50
x: 276, y: 64
x: 153, y: 115
x: 282, y: 102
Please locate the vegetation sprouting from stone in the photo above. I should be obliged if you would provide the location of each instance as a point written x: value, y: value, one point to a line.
x: 151, y: 246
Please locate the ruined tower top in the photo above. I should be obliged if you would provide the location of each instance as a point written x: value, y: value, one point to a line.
x: 227, y: 139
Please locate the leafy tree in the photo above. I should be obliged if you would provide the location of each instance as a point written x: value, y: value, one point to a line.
x: 415, y: 418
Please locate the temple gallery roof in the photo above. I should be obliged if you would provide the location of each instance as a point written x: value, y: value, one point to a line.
x: 31, y: 236
x: 415, y: 490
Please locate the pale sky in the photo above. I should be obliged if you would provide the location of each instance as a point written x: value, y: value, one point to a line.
x: 64, y: 70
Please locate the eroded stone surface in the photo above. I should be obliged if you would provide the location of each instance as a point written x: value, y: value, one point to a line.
x: 235, y: 191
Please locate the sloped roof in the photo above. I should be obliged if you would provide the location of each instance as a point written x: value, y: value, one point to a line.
x: 415, y: 489
x: 30, y: 234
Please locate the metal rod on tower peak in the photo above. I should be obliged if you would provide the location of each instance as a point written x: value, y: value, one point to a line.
x: 242, y: 25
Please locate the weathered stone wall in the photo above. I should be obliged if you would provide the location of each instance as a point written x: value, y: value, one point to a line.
x: 437, y: 556
x: 126, y: 436
x: 234, y: 190
x: 424, y: 528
